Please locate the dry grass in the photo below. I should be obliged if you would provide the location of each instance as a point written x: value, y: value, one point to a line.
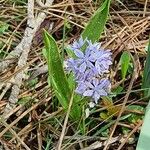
x: 36, y: 122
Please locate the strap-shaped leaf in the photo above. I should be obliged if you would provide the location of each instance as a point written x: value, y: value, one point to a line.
x: 144, y: 138
x: 97, y: 22
x: 56, y: 72
x: 146, y: 74
x: 58, y: 78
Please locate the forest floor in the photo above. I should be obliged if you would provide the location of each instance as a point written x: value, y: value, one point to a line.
x: 31, y: 117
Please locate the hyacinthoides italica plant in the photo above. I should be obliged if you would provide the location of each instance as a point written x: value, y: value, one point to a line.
x: 89, y: 68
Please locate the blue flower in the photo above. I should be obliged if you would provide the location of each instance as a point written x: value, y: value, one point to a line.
x: 88, y: 66
x: 78, y: 44
x: 81, y: 87
x: 102, y: 61
x: 71, y: 65
x: 84, y: 60
x: 93, y: 47
x: 97, y: 88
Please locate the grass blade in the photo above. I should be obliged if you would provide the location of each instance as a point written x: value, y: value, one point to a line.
x: 97, y: 22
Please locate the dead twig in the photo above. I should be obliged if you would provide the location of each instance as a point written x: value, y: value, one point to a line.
x: 132, y: 132
x: 99, y: 144
x: 134, y: 76
x: 33, y: 23
x: 65, y: 123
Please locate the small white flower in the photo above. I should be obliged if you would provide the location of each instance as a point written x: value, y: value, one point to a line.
x: 87, y: 113
x: 91, y: 104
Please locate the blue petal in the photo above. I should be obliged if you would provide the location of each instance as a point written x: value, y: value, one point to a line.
x: 88, y: 93
x: 104, y: 82
x: 92, y: 58
x: 79, y: 53
x: 81, y: 42
x: 80, y: 88
x: 95, y: 82
x: 82, y: 67
x: 75, y: 46
x: 96, y: 97
x: 87, y: 52
x: 89, y: 64
x: 97, y: 65
x: 102, y: 92
x: 88, y: 84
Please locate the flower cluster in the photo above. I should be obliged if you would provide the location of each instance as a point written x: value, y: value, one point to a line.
x: 89, y: 68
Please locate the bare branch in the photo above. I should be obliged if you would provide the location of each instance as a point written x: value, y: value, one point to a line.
x: 23, y: 49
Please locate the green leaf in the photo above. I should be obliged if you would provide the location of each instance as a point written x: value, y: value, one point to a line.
x: 103, y: 128
x: 105, y: 133
x: 146, y: 74
x: 32, y: 83
x: 136, y: 108
x: 125, y: 130
x: 71, y: 81
x: 56, y: 72
x: 97, y: 22
x: 70, y: 53
x: 118, y: 90
x: 125, y: 62
x: 3, y: 27
x: 58, y: 78
x: 144, y: 138
x: 24, y: 100
x: 44, y: 52
x: 134, y: 118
